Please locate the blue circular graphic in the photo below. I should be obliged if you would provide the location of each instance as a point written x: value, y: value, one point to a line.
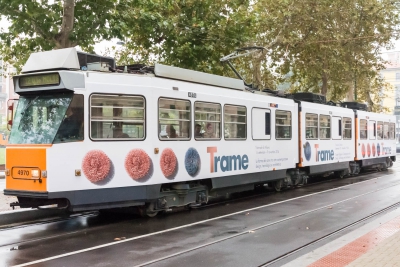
x: 378, y: 149
x: 307, y: 151
x: 192, y: 161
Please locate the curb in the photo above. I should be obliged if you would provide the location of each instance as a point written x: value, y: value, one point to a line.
x: 13, y: 217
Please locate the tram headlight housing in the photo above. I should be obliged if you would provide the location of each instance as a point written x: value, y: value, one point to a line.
x: 35, y: 174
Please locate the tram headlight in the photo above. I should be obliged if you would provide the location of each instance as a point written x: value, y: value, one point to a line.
x: 35, y: 173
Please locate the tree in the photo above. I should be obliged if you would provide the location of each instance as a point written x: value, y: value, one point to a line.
x: 46, y: 25
x: 186, y: 33
x: 327, y: 46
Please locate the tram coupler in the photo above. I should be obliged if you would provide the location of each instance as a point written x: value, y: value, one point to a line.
x: 14, y: 204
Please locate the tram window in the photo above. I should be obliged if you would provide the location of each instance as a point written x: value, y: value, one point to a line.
x: 336, y: 128
x: 71, y: 128
x: 261, y: 124
x: 380, y: 130
x: 372, y: 130
x: 391, y: 131
x: 283, y: 124
x: 324, y: 127
x: 207, y: 120
x: 346, y: 128
x: 385, y: 130
x: 363, y: 129
x: 117, y: 117
x: 235, y: 122
x: 311, y: 126
x: 38, y: 118
x: 174, y: 119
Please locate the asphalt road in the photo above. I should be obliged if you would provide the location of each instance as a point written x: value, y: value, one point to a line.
x: 247, y: 232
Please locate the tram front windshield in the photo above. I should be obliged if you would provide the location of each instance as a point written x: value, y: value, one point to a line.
x: 45, y: 119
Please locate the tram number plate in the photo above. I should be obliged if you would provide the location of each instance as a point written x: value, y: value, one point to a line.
x: 22, y: 173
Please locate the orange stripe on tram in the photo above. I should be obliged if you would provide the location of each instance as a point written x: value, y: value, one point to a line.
x: 20, y: 162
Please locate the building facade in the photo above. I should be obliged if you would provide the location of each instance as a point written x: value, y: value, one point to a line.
x: 392, y: 75
x: 6, y: 90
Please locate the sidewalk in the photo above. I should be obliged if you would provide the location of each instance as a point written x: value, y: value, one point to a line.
x: 5, y: 200
x: 374, y: 244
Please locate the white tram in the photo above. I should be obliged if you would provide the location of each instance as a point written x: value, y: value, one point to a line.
x: 85, y: 137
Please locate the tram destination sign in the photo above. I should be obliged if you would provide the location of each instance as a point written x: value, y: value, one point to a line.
x: 36, y: 80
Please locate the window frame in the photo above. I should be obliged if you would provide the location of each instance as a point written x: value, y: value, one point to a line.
x: 339, y: 125
x: 220, y: 121
x: 366, y: 130
x: 291, y: 125
x: 307, y: 138
x: 374, y: 123
x: 344, y: 128
x: 330, y: 126
x: 384, y: 124
x: 394, y: 132
x: 245, y: 123
x: 270, y: 124
x: 190, y: 119
x: 117, y: 139
x: 379, y: 137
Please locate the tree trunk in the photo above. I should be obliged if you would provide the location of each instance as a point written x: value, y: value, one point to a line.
x: 324, y: 88
x: 350, y: 92
x: 257, y: 81
x: 371, y: 103
x: 62, y: 39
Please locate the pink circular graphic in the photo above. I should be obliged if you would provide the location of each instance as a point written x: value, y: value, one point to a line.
x: 137, y: 163
x: 96, y: 165
x: 368, y: 150
x: 373, y: 150
x: 168, y: 162
x: 363, y: 150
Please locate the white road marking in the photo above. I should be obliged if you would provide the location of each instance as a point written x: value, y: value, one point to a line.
x: 187, y: 225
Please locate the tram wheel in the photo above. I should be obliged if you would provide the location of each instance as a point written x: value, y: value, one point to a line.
x: 147, y: 211
x: 340, y: 174
x: 278, y: 185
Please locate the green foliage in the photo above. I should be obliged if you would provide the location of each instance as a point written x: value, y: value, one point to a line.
x: 325, y: 46
x: 2, y: 155
x: 328, y: 47
x: 186, y: 33
x: 38, y: 26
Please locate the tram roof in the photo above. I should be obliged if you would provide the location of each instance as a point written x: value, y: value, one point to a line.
x: 69, y: 59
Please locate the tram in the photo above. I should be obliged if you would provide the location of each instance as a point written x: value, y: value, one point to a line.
x: 87, y: 135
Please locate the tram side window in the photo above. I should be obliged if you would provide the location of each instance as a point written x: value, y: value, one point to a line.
x: 207, y: 120
x: 174, y: 119
x: 385, y: 130
x: 71, y: 128
x: 372, y: 129
x: 261, y: 124
x: 363, y: 129
x: 380, y: 130
x: 116, y: 117
x: 346, y: 128
x: 311, y: 126
x: 235, y: 122
x: 391, y: 131
x: 283, y: 124
x: 324, y: 127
